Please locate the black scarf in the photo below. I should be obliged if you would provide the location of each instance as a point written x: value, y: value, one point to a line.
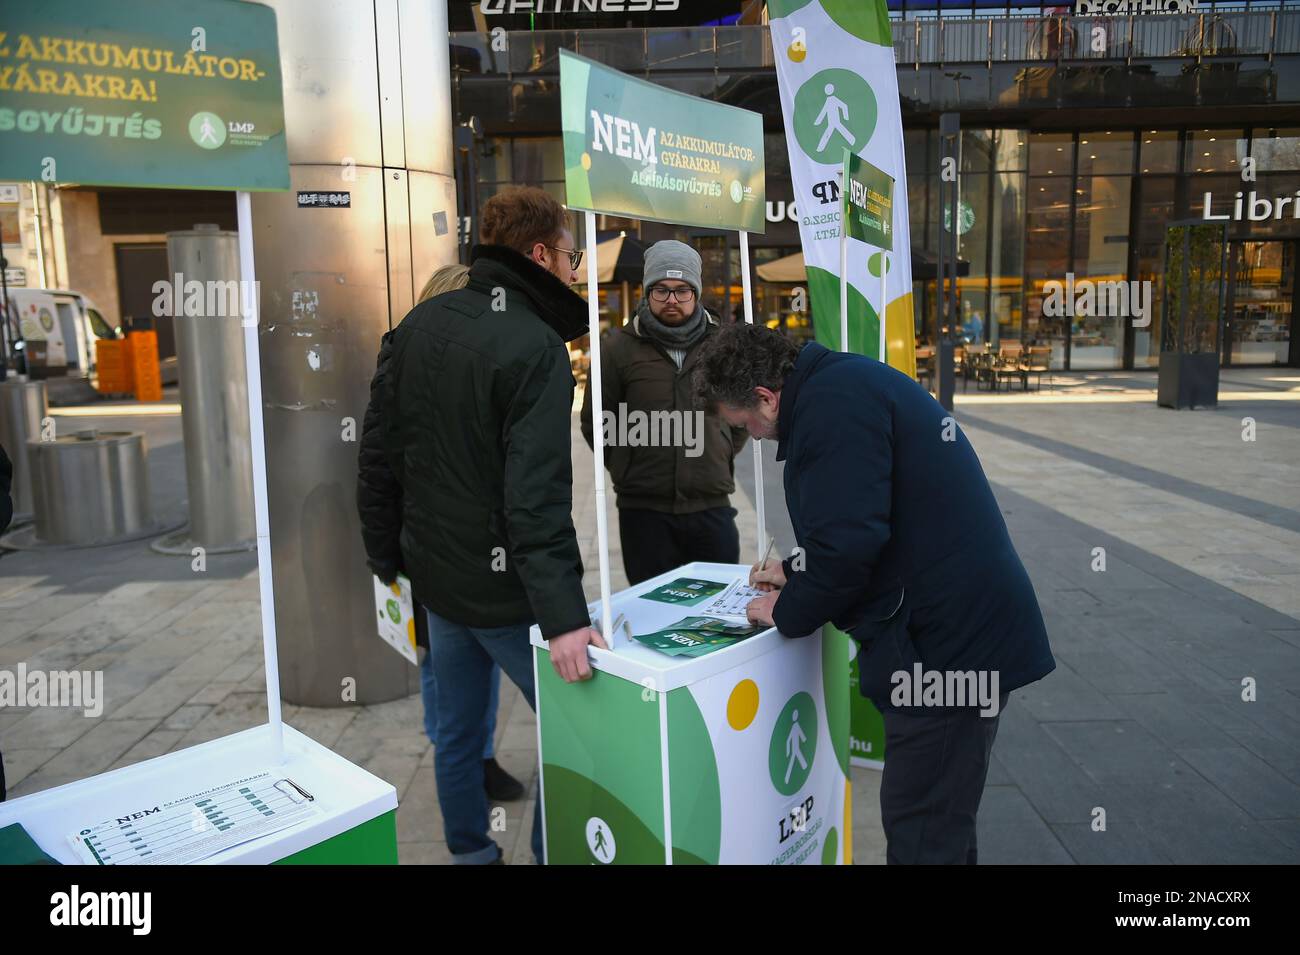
x: 683, y: 336
x: 557, y: 304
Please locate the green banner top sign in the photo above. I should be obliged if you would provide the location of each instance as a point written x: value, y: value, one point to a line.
x: 868, y: 202
x: 181, y: 94
x: 632, y: 148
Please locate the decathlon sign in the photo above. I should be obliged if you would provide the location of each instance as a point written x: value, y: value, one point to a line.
x: 1097, y: 8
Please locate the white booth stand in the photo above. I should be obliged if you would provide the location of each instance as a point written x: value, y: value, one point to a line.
x: 739, y: 756
x: 324, y: 811
x: 268, y: 794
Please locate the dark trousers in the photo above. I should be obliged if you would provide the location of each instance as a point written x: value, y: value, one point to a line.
x: 654, y: 542
x: 935, y: 767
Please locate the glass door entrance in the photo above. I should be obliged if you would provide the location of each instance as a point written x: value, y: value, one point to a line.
x: 1261, y: 315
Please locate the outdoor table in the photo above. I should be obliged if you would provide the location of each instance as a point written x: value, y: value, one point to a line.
x: 737, y: 756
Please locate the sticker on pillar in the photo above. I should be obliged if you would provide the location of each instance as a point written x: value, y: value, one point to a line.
x: 325, y: 200
x: 793, y: 745
x: 600, y: 840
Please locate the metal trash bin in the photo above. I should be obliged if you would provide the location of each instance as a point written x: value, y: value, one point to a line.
x: 91, y: 487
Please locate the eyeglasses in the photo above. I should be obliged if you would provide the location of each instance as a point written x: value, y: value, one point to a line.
x: 661, y: 293
x: 575, y: 256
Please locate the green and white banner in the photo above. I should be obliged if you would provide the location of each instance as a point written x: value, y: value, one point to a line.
x: 632, y: 148
x: 746, y: 766
x: 140, y: 93
x: 835, y: 66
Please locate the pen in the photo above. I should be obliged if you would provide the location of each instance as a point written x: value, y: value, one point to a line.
x: 767, y: 553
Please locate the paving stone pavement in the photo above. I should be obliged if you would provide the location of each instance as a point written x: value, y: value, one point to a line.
x: 1143, y: 718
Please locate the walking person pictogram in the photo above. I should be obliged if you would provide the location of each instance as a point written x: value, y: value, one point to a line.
x: 834, y: 112
x: 206, y: 132
x: 793, y: 742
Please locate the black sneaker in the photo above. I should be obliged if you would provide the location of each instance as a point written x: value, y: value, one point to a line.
x: 499, y: 785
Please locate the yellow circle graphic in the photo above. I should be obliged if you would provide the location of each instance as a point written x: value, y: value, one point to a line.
x: 586, y: 161
x: 742, y: 705
x: 797, y: 52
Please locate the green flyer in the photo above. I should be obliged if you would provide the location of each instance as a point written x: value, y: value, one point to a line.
x: 685, y: 590
x: 696, y: 636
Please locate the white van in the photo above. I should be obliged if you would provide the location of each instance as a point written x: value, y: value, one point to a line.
x: 58, y: 330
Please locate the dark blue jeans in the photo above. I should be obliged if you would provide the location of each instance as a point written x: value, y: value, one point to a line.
x: 462, y: 660
x: 429, y: 694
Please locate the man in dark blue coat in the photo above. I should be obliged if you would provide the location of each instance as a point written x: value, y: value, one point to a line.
x: 901, y: 545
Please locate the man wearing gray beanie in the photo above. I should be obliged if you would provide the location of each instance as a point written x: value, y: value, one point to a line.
x: 672, y: 464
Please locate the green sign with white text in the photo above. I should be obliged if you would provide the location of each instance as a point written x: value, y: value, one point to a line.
x: 868, y: 202
x: 632, y: 148
x: 182, y: 94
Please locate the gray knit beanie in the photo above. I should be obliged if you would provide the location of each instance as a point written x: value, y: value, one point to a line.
x: 671, y: 259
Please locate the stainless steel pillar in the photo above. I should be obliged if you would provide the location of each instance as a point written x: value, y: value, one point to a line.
x: 214, y: 394
x: 334, y: 277
x: 22, y: 406
x: 91, y: 487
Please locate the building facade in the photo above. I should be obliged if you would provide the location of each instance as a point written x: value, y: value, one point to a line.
x: 1087, y: 130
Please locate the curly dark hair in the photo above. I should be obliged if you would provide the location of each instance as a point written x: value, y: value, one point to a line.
x: 738, y: 359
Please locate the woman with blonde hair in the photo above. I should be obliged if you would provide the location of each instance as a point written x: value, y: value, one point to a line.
x: 446, y: 279
x: 497, y: 783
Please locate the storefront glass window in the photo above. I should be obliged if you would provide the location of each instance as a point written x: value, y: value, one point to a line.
x: 1214, y: 150
x: 1101, y: 241
x: 493, y: 160
x: 1011, y: 149
x: 1046, y: 260
x: 1155, y: 211
x: 1158, y: 151
x: 976, y: 150
x: 1106, y: 152
x: 1005, y: 316
x: 1051, y: 154
x: 1276, y: 150
x: 538, y: 160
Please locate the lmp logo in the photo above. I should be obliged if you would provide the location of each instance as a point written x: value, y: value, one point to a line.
x: 600, y: 840
x: 207, y: 130
x: 793, y: 746
x: 833, y: 110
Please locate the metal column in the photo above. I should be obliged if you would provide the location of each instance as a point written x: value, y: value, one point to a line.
x: 367, y: 113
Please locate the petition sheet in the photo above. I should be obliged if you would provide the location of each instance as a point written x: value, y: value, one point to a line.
x: 195, y: 827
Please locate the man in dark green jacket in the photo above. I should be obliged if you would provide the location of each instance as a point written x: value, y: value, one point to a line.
x: 474, y: 404
x: 673, y: 464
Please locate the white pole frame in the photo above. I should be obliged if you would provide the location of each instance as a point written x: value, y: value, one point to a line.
x: 884, y: 304
x: 256, y: 433
x: 760, y: 506
x: 844, y: 292
x: 594, y: 383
